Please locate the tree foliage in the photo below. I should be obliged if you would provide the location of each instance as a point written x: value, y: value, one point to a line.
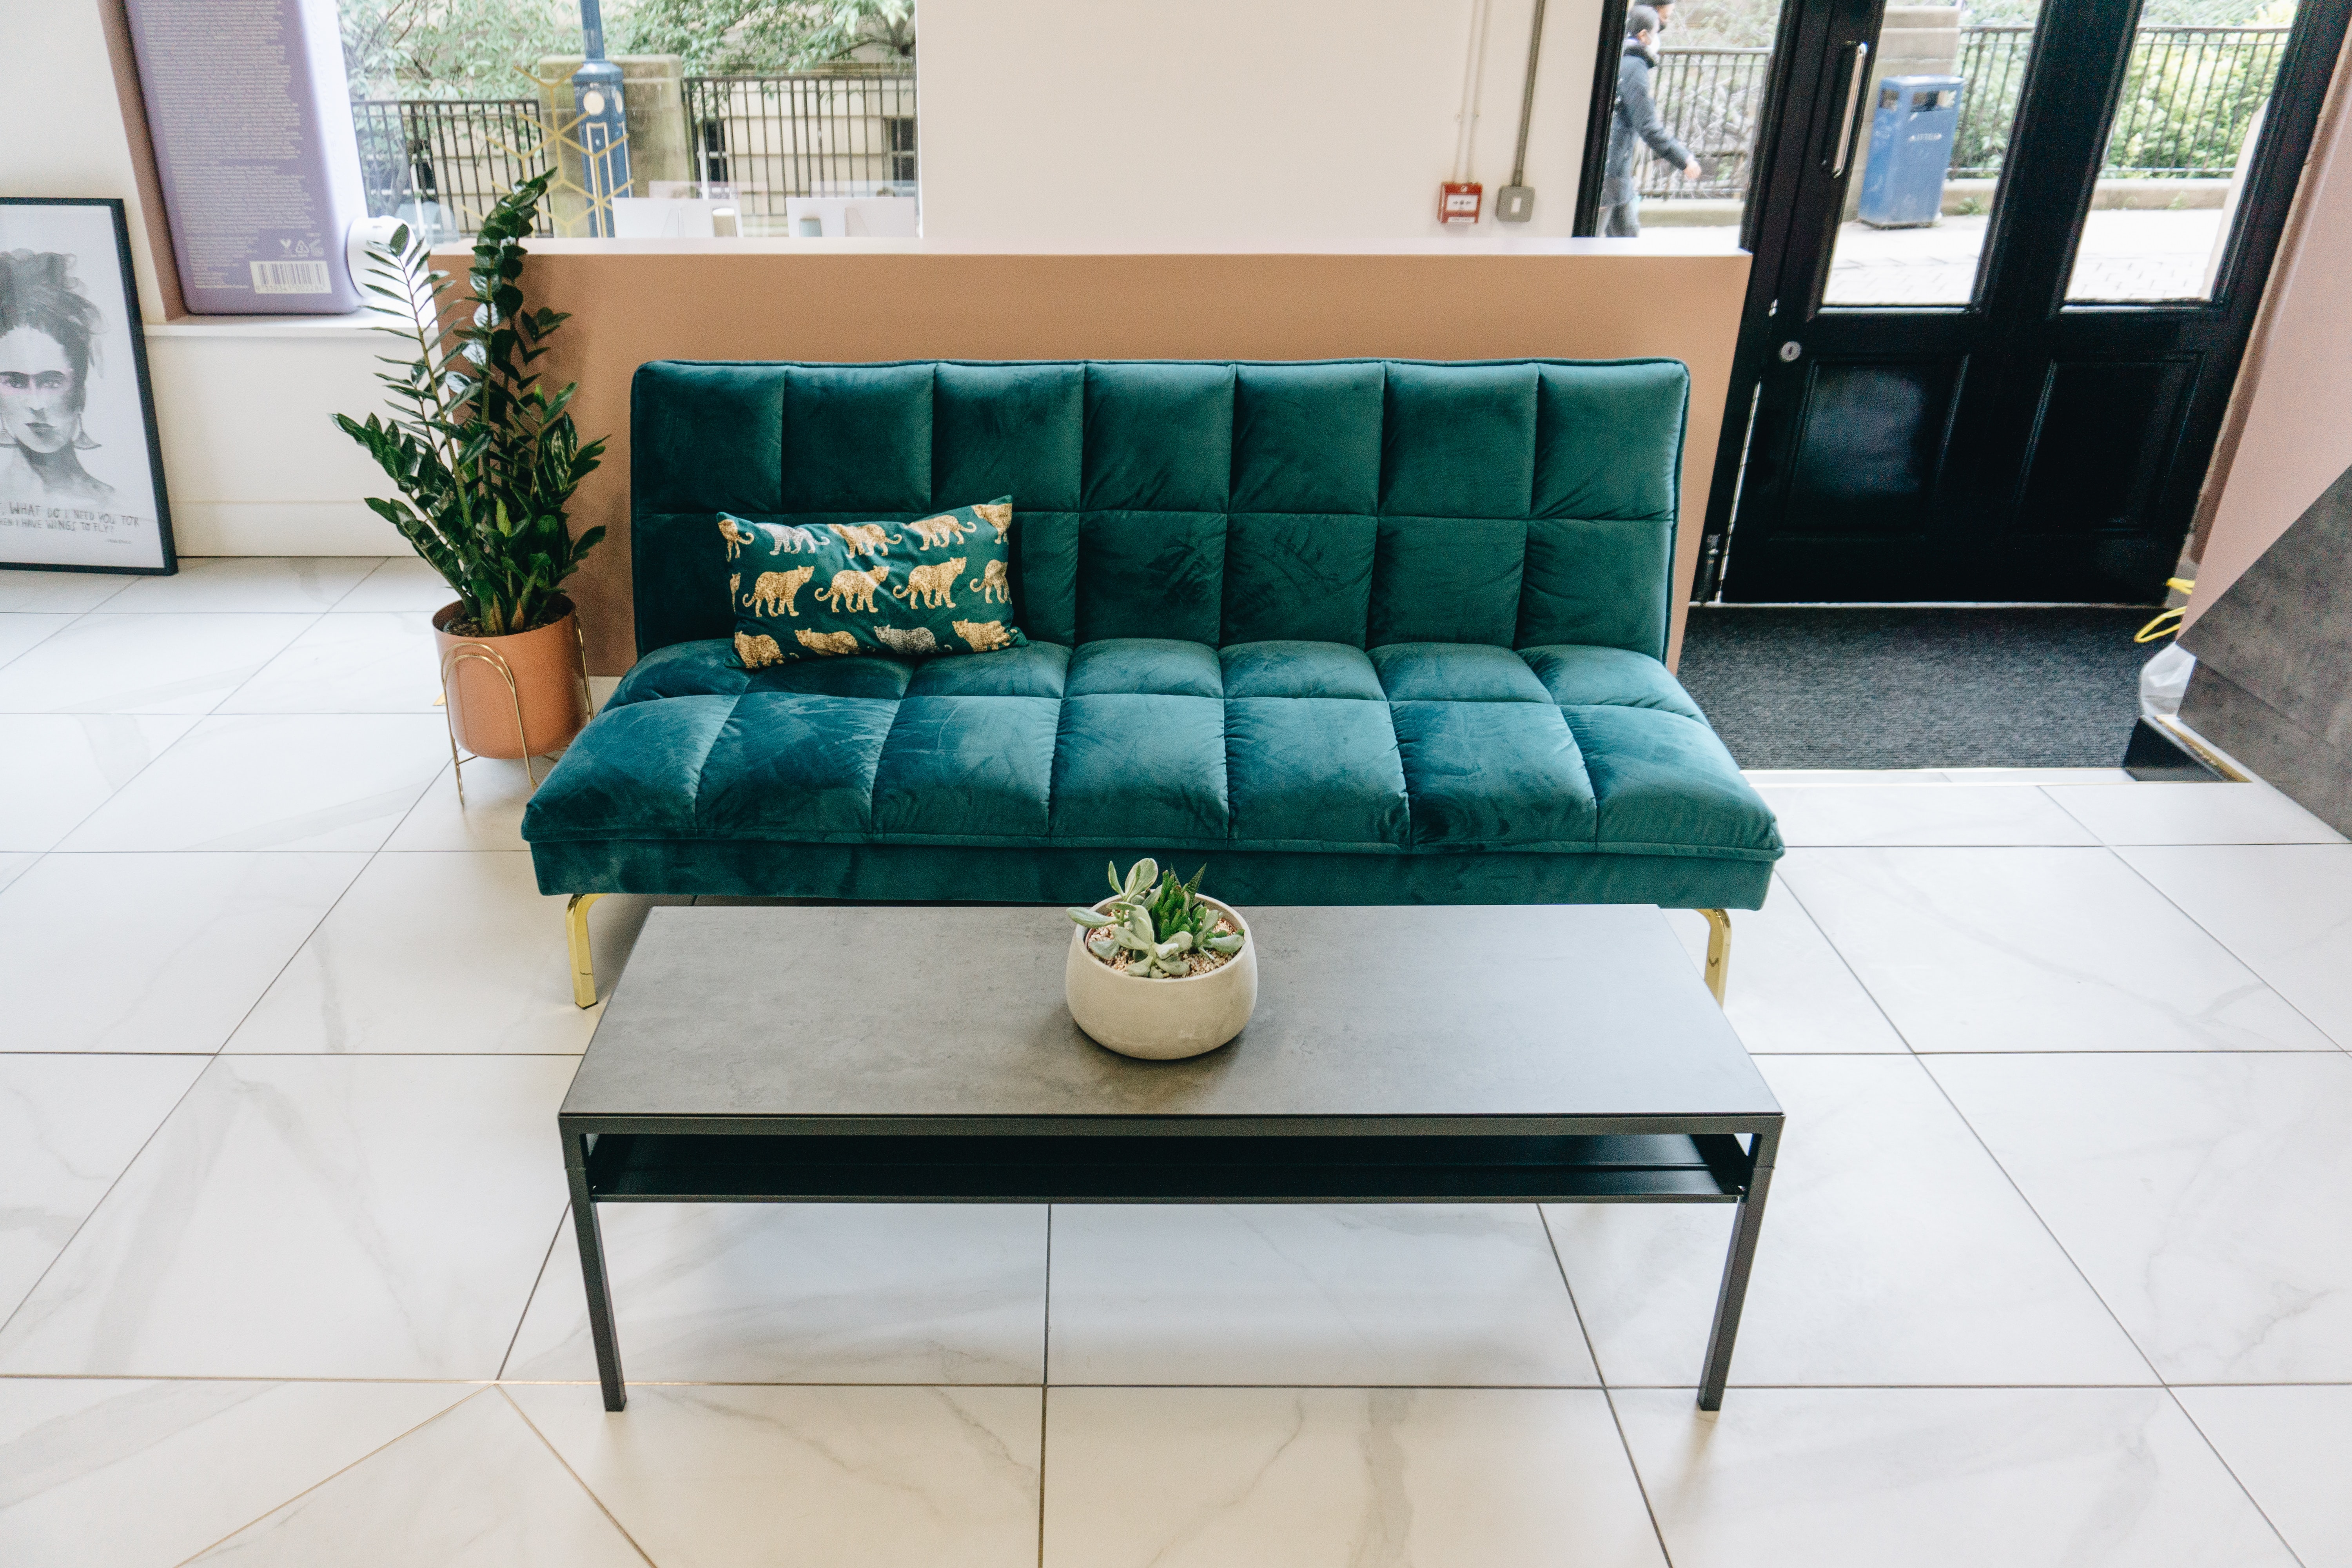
x: 483, y: 48
x: 453, y: 49
x: 721, y: 38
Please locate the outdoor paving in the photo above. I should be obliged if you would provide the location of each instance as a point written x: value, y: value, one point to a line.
x: 2125, y: 255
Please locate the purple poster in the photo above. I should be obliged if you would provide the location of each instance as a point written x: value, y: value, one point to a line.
x: 252, y: 123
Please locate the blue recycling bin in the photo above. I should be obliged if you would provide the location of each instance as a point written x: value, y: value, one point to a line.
x: 1911, y: 132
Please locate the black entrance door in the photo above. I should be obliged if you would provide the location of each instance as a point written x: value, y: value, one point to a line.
x: 2017, y: 401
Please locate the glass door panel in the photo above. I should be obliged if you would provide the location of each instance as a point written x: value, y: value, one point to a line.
x: 1931, y: 145
x: 1714, y: 63
x: 2179, y: 149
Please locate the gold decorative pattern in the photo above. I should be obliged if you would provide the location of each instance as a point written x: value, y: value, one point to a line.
x: 866, y: 538
x: 786, y: 538
x: 826, y: 642
x: 853, y: 591
x: 776, y: 590
x: 992, y: 583
x: 982, y: 636
x: 935, y: 531
x: 755, y: 650
x: 916, y: 642
x: 931, y: 588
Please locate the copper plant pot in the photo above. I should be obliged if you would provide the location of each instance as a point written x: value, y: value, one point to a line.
x: 520, y: 696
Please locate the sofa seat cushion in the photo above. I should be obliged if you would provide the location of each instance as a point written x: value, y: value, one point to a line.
x: 1278, y: 746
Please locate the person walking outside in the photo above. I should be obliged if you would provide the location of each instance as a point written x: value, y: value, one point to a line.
x: 1636, y: 119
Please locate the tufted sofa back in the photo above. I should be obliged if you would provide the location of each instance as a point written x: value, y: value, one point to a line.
x: 1519, y: 503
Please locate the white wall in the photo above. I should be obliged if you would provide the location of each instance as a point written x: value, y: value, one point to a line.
x: 1115, y: 123
x: 1125, y: 122
x: 254, y: 465
x: 251, y: 464
x: 65, y: 135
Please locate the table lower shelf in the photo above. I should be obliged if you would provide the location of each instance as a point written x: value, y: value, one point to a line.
x: 967, y: 1168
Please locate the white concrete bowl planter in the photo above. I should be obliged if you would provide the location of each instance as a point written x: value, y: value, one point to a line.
x: 1162, y: 1020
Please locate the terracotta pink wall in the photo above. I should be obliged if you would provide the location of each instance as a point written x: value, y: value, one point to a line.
x: 846, y: 301
x: 2292, y: 419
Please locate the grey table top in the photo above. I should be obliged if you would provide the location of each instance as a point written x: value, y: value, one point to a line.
x: 871, y: 1012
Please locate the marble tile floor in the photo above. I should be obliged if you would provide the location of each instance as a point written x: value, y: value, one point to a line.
x: 2058, y: 1269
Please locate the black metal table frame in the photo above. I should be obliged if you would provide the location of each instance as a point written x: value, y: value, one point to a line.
x: 1160, y: 1159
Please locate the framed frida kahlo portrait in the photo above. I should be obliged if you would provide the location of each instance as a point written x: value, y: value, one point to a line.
x: 81, y: 479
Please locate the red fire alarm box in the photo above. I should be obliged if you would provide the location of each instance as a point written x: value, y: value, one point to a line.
x: 1458, y: 201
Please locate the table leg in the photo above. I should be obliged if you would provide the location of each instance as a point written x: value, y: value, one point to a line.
x: 1747, y: 1223
x: 592, y: 1274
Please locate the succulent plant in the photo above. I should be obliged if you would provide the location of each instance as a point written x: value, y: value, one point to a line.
x: 1158, y: 919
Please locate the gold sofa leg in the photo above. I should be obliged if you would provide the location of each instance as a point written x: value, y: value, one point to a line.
x: 1719, y: 951
x: 584, y: 961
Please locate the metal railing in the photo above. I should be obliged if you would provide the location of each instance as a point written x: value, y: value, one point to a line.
x: 1710, y: 99
x: 1991, y: 69
x: 802, y: 133
x: 442, y: 163
x: 2189, y: 96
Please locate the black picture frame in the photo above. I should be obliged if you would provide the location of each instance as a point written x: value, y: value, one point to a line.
x: 161, y: 559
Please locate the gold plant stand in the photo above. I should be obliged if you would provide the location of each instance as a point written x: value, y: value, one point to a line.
x: 483, y: 653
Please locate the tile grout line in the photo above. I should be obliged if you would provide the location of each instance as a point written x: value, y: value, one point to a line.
x: 2006, y: 1175
x: 1044, y: 1384
x: 300, y: 948
x: 537, y: 1280
x: 373, y: 855
x: 2235, y: 957
x: 2064, y: 1251
x: 212, y: 1057
x: 2043, y: 791
x: 516, y: 1056
x: 1165, y: 1387
x: 1847, y: 964
x: 71, y: 619
x: 418, y: 805
x: 364, y: 578
x: 576, y: 1478
x: 83, y: 821
x: 2111, y: 852
x: 322, y: 1480
x: 1045, y: 1394
x: 9, y: 1317
x: 258, y: 670
x: 2232, y: 1471
x: 1626, y: 1445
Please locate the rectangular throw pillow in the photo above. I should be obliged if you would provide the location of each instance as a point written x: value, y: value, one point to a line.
x: 935, y: 586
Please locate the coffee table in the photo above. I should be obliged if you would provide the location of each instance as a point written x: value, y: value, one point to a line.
x: 866, y: 1054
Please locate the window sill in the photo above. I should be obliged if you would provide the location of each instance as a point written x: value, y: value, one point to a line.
x: 218, y: 327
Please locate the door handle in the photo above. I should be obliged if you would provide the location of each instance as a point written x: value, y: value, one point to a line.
x: 1857, y: 67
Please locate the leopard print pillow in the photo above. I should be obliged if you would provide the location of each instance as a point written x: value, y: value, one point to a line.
x: 934, y: 585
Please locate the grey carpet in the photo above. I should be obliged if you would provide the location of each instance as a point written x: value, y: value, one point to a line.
x: 1838, y: 687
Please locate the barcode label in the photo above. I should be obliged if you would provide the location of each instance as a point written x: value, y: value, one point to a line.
x: 291, y: 277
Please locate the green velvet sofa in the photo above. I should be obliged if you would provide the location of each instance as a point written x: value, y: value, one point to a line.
x: 1358, y: 631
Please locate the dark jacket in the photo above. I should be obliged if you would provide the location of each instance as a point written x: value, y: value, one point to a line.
x: 1636, y: 116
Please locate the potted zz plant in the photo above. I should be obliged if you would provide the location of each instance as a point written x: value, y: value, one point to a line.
x: 486, y: 460
x: 1158, y: 970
